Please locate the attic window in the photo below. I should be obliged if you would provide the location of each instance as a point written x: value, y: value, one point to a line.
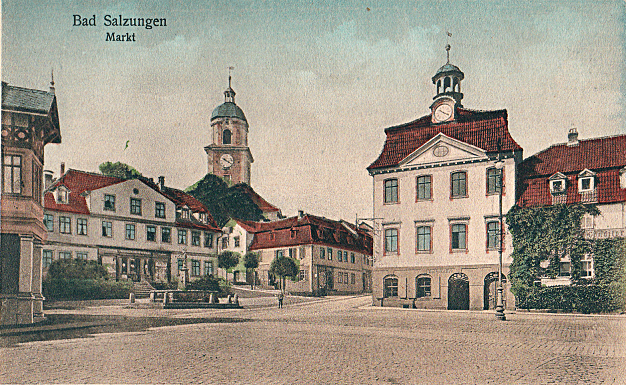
x: 292, y: 233
x: 62, y: 195
x: 622, y: 178
x: 203, y: 217
x: 184, y: 213
x: 272, y: 236
x: 557, y: 186
x: 586, y: 181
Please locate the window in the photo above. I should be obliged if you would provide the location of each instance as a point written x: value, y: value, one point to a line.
x: 184, y: 213
x: 208, y: 239
x: 180, y: 263
x: 422, y: 287
x: 130, y: 231
x: 195, y: 238
x: 302, y: 275
x: 182, y: 237
x: 37, y: 182
x: 329, y: 252
x: 107, y: 229
x: 390, y: 287
x: 391, y: 191
x: 352, y: 259
x: 65, y: 225
x: 12, y: 174
x: 236, y: 240
x: 352, y: 278
x: 135, y: 206
x: 48, y: 221
x: 424, y: 187
x: 159, y: 209
x: 493, y: 235
x: 458, y: 185
x: 166, y: 234
x: 493, y: 181
x: 81, y: 226
x: 322, y: 253
x: 225, y: 242
x: 195, y: 267
x: 208, y: 267
x: 47, y: 257
x: 62, y: 195
x: 339, y: 277
x: 339, y: 255
x: 557, y: 186
x: 227, y: 136
x: 424, y: 238
x: 151, y: 233
x: 81, y: 255
x: 586, y: 266
x: 65, y: 255
x: 565, y: 269
x: 585, y: 184
x: 391, y: 240
x: 345, y: 256
x: 109, y: 202
x: 459, y: 237
x: 280, y: 253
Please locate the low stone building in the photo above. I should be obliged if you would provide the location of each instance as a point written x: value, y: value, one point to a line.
x: 333, y: 256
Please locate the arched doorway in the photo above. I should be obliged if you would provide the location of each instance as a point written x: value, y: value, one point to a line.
x: 458, y: 292
x: 489, y: 292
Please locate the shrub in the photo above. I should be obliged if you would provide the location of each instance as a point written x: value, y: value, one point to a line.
x: 76, y: 269
x: 582, y: 298
x: 85, y: 289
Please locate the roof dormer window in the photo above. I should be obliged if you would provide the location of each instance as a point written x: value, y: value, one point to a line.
x: 184, y: 213
x: 557, y: 183
x: 63, y: 195
x: 586, y: 181
x: 622, y: 178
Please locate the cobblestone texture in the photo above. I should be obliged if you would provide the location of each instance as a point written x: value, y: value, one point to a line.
x: 340, y: 341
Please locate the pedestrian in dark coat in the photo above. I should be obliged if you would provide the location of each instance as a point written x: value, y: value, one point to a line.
x: 280, y: 300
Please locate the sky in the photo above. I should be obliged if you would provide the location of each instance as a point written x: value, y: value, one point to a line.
x: 318, y: 81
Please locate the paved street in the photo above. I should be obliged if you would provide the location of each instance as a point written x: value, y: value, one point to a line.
x: 335, y: 341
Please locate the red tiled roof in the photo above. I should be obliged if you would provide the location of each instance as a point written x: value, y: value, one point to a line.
x: 482, y: 129
x: 604, y: 156
x: 309, y: 229
x: 264, y: 205
x: 249, y: 226
x: 77, y: 182
x: 181, y: 198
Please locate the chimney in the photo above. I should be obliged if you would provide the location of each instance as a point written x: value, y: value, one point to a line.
x: 300, y: 214
x: 47, y: 179
x: 62, y: 168
x: 572, y: 137
x: 161, y: 182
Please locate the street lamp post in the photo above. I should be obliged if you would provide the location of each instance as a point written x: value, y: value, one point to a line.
x: 499, y: 292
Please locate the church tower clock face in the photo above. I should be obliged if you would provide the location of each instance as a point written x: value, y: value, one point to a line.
x: 443, y: 113
x: 226, y: 161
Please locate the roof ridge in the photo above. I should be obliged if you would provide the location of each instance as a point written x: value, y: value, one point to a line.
x: 554, y: 145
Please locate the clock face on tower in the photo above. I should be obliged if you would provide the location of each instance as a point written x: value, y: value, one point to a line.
x: 226, y: 161
x: 442, y: 113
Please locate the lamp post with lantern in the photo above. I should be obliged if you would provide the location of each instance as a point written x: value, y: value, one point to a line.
x: 499, y: 291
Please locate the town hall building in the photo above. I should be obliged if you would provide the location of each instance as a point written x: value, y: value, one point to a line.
x: 436, y: 191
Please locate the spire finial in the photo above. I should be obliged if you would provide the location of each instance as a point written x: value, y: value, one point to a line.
x: 229, y: 74
x: 448, y: 45
x: 229, y: 94
x: 52, y: 80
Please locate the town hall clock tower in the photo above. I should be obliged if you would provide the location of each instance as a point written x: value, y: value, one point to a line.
x: 228, y: 154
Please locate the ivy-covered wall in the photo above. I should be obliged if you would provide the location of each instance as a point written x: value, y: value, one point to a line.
x: 547, y: 234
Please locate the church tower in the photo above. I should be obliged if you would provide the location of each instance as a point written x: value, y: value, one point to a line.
x: 448, y: 97
x: 228, y: 154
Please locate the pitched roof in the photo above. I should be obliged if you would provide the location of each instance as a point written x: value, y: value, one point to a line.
x: 605, y: 156
x: 310, y: 229
x: 26, y: 99
x: 264, y: 205
x: 77, y: 182
x: 483, y: 129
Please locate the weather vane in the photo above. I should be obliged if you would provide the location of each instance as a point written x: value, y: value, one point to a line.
x: 448, y: 45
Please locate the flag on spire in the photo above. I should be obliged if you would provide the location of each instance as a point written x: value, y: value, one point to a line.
x: 449, y: 34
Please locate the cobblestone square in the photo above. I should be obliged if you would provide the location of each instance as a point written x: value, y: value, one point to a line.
x: 338, y: 340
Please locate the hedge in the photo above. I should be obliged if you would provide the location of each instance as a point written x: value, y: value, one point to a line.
x: 85, y: 289
x: 585, y: 298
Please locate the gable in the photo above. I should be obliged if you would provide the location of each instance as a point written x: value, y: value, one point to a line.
x: 443, y: 149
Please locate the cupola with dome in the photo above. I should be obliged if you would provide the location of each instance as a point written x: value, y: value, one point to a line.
x: 228, y: 154
x: 447, y: 81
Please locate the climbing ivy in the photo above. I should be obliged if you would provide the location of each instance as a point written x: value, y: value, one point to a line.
x: 546, y: 234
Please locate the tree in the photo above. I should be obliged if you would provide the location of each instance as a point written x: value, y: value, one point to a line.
x: 119, y: 170
x: 284, y: 267
x: 228, y: 259
x: 251, y: 262
x: 223, y: 201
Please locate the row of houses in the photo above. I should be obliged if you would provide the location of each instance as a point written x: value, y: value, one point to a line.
x: 442, y: 182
